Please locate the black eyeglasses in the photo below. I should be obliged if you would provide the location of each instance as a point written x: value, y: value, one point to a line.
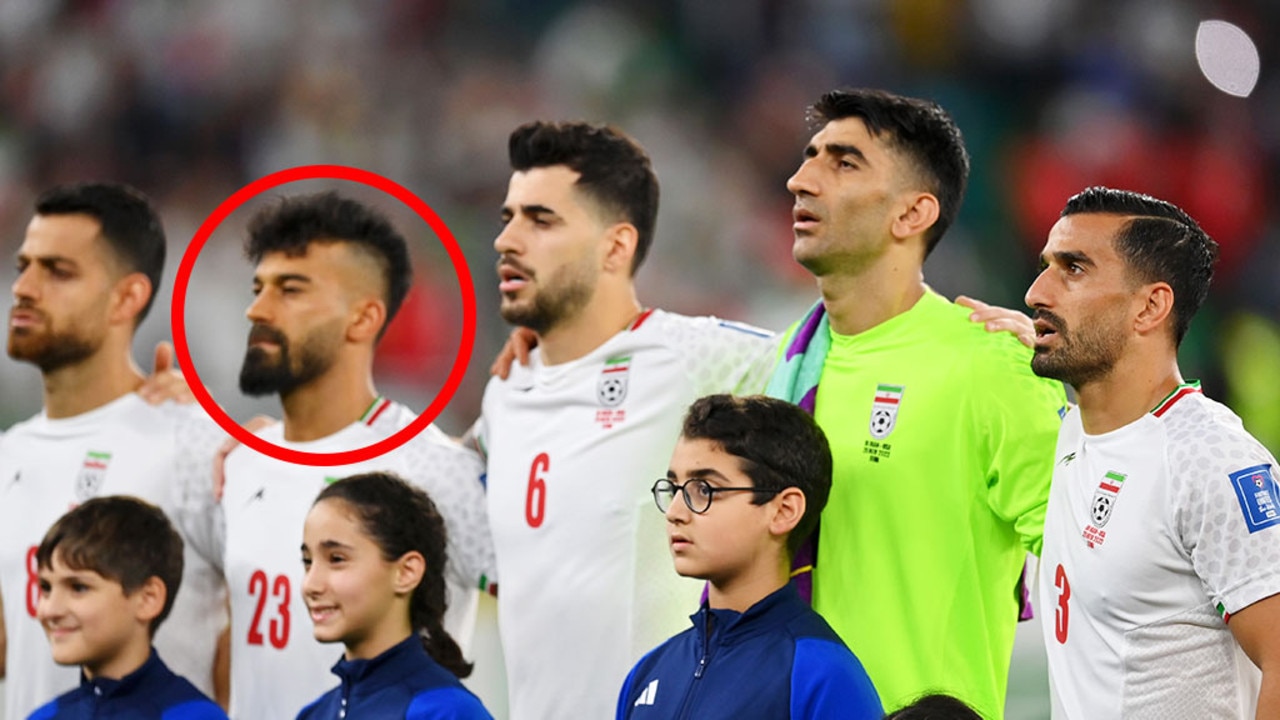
x: 697, y: 493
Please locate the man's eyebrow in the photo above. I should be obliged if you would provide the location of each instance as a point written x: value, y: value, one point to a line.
x: 1067, y: 257
x: 837, y: 149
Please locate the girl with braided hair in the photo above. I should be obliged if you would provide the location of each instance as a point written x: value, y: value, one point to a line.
x: 374, y: 552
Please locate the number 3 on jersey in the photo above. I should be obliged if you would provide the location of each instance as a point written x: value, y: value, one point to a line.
x: 260, y: 586
x: 1061, y: 614
x: 535, y: 499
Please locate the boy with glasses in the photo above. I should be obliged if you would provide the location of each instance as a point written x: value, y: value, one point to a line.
x: 753, y: 475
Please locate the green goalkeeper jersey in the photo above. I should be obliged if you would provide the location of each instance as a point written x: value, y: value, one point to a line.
x: 943, y: 442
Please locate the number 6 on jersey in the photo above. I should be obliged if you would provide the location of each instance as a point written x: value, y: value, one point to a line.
x: 535, y: 500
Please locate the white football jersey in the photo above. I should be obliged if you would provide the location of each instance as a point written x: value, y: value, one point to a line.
x: 586, y: 582
x: 47, y: 467
x: 277, y: 666
x: 1155, y: 534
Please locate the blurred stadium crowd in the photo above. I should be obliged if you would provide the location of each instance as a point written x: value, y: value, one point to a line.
x: 189, y: 101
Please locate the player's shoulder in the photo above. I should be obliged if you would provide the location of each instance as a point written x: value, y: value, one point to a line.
x: 449, y: 702
x: 1203, y: 434
x: 662, y: 323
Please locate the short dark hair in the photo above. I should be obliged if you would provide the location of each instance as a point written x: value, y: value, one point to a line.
x: 293, y: 223
x: 121, y: 538
x: 612, y: 168
x: 935, y: 707
x: 919, y: 129
x: 1160, y: 243
x: 777, y: 444
x: 400, y: 518
x: 130, y: 225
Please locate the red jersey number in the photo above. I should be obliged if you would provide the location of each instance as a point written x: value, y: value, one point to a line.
x: 260, y: 587
x: 33, y: 581
x: 535, y: 499
x: 1062, y: 613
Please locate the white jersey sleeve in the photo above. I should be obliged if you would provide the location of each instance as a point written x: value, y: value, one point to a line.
x: 723, y: 356
x: 1227, y: 508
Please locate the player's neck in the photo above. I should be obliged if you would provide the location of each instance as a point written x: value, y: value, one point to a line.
x: 102, y: 378
x: 1132, y: 389
x: 859, y: 300
x: 328, y: 403
x: 610, y: 311
x: 747, y: 588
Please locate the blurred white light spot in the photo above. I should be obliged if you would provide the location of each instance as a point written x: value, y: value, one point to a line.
x: 1227, y: 57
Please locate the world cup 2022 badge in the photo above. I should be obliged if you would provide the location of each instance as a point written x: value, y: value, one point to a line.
x: 884, y: 410
x: 611, y: 390
x: 92, y: 474
x: 1104, y: 500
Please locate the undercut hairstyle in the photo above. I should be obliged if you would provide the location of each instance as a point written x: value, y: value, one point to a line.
x: 129, y: 223
x: 920, y: 131
x: 935, y: 707
x: 121, y: 538
x: 293, y: 223
x: 1159, y: 243
x: 613, y: 170
x: 778, y: 446
x: 400, y: 518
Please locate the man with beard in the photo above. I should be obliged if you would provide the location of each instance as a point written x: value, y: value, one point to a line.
x: 88, y: 269
x: 575, y: 440
x: 940, y: 434
x: 330, y: 275
x: 1162, y: 540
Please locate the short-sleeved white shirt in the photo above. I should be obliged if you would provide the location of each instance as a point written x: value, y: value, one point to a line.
x: 47, y: 467
x: 277, y: 666
x: 586, y: 582
x: 1155, y: 534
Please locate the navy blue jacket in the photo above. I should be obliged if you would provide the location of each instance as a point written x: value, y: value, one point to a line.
x: 152, y: 692
x: 403, y: 682
x: 779, y: 659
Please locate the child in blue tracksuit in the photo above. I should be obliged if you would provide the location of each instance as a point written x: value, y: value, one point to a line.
x: 753, y: 475
x: 109, y: 571
x: 373, y: 549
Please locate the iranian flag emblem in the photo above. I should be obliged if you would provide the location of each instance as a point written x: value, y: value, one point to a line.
x: 611, y: 388
x: 1105, y: 497
x: 884, y: 410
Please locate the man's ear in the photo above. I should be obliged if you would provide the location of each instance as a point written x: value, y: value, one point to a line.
x: 919, y: 214
x: 129, y: 297
x: 367, y: 320
x: 789, y: 506
x: 621, y: 241
x: 1156, y: 310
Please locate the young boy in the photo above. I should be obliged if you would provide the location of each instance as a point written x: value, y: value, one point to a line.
x: 108, y: 572
x: 752, y: 475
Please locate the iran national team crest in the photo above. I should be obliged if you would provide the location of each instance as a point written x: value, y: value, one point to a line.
x: 1104, y: 500
x: 884, y: 410
x: 611, y: 388
x: 92, y: 474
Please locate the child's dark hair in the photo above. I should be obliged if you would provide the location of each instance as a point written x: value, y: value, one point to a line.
x: 121, y: 538
x: 777, y: 444
x: 935, y: 707
x: 400, y: 518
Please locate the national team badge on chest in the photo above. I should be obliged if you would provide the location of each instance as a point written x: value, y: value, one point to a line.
x: 1104, y: 500
x: 611, y: 390
x: 884, y: 410
x: 92, y: 474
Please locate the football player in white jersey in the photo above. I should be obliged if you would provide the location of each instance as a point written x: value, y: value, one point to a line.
x: 574, y: 440
x: 88, y: 268
x: 330, y: 274
x: 1162, y: 540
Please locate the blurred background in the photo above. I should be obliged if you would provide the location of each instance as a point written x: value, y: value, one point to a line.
x: 189, y: 101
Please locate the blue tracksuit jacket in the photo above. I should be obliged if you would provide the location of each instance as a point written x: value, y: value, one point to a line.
x: 403, y: 682
x: 152, y: 692
x: 779, y: 659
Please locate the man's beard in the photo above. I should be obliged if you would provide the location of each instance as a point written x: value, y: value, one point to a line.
x: 1081, y: 356
x: 51, y: 351
x: 567, y: 291
x: 261, y: 374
